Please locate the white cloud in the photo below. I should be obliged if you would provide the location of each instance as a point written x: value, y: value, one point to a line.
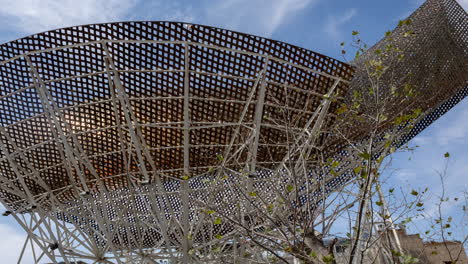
x: 464, y: 4
x: 405, y: 175
x: 332, y: 27
x: 455, y: 128
x: 421, y: 140
x: 10, y: 244
x: 32, y: 16
x: 261, y: 17
x: 158, y: 10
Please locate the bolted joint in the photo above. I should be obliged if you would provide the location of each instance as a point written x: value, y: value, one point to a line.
x: 253, y: 175
x: 54, y: 246
x: 85, y: 193
x: 145, y: 182
x: 6, y: 213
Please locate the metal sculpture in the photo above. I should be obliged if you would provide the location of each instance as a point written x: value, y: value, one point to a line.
x: 119, y: 141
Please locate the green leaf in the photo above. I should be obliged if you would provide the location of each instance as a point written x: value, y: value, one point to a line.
x: 220, y: 157
x: 407, y: 259
x: 270, y: 208
x: 364, y: 174
x: 356, y: 94
x: 419, y: 204
x: 253, y: 194
x: 404, y: 22
x: 289, y: 188
x: 364, y: 155
x: 342, y: 109
x: 218, y: 236
x: 217, y: 221
x: 354, y: 33
x: 380, y: 159
x: 447, y: 155
x: 379, y: 203
x: 407, y: 220
x: 413, y: 192
x: 391, y: 190
x: 357, y: 54
x: 210, y: 212
x: 357, y: 169
x: 328, y: 259
x: 408, y: 33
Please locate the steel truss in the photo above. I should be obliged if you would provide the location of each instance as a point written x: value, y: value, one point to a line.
x: 157, y: 216
x: 156, y: 142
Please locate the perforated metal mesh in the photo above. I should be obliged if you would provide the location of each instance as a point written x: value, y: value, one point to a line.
x: 103, y: 124
x: 435, y: 50
x: 121, y: 129
x: 434, y: 64
x: 149, y: 58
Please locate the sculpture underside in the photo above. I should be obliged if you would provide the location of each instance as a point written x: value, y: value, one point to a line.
x: 119, y: 141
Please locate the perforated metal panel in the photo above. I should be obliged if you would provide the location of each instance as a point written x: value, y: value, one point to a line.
x: 103, y: 124
x: 126, y: 132
x: 434, y: 47
x: 150, y: 60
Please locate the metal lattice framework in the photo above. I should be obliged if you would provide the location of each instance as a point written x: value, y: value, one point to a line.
x: 434, y: 50
x: 116, y: 139
x: 131, y: 119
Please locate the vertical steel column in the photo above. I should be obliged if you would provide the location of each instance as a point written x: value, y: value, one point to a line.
x: 185, y: 189
x: 74, y: 156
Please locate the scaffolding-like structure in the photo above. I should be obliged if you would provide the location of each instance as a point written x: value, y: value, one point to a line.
x: 119, y: 141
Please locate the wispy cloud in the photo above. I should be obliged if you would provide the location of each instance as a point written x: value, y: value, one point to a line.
x: 261, y: 17
x: 464, y: 4
x: 11, y: 243
x: 160, y: 10
x: 332, y: 27
x: 416, y: 3
x: 455, y: 129
x: 38, y: 15
x: 11, y: 246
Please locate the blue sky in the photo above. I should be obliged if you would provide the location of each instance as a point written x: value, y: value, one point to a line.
x: 319, y: 25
